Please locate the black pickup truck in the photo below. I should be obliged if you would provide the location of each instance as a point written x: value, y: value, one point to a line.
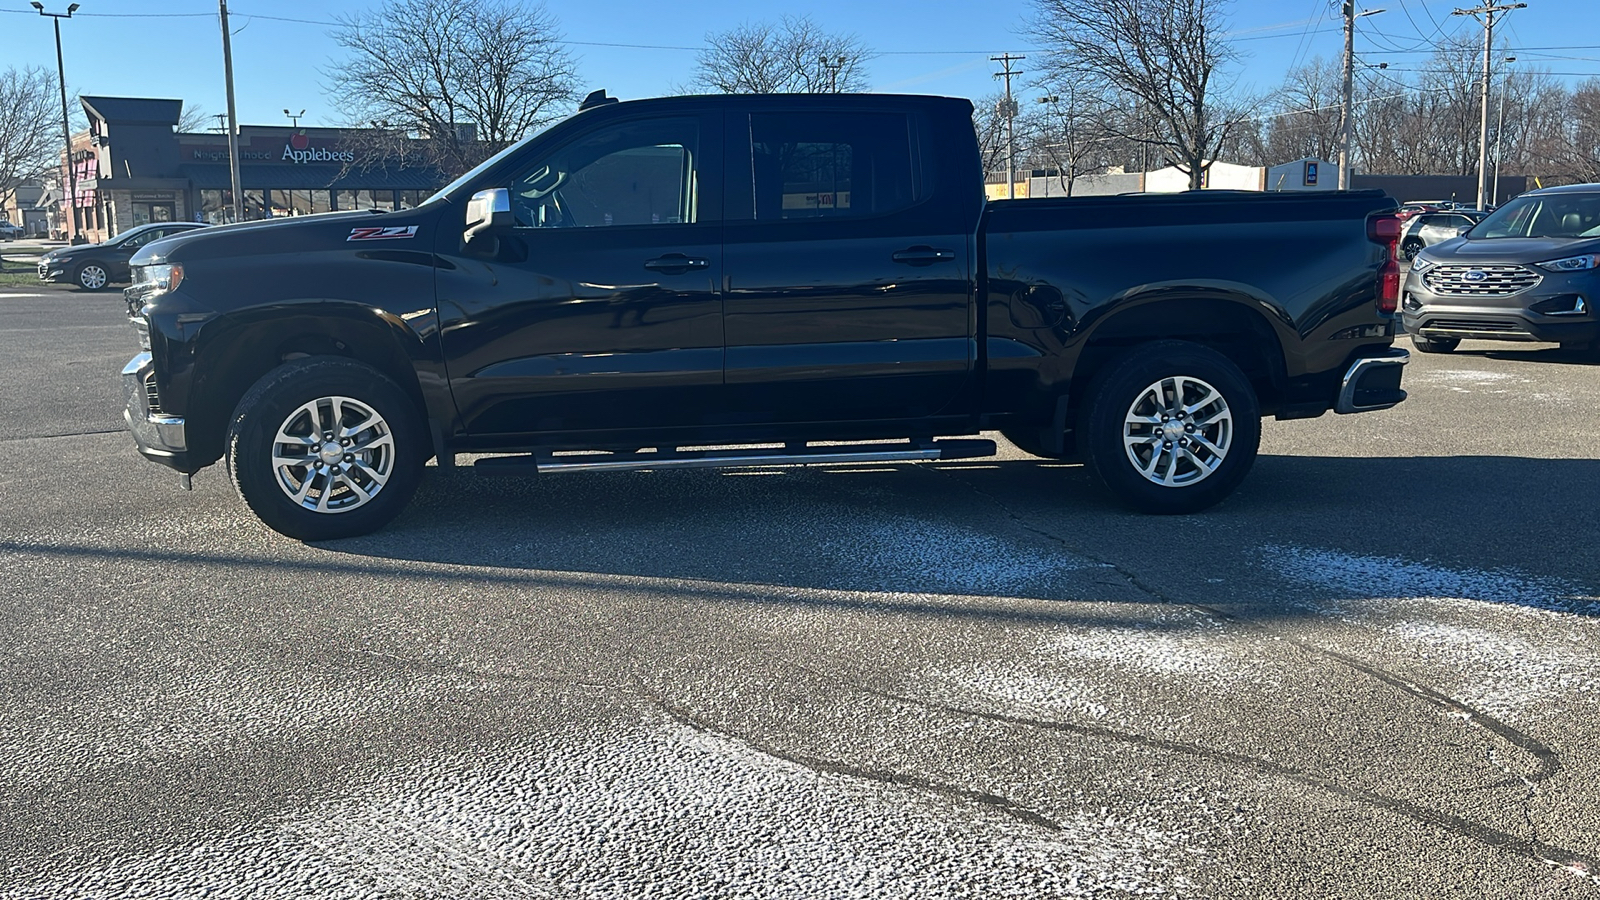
x: 754, y: 280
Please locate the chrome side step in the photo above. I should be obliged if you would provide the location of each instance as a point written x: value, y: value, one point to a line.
x: 734, y: 457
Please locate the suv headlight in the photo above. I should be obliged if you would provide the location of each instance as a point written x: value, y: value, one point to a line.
x: 1420, y: 264
x: 153, y: 281
x: 1572, y: 264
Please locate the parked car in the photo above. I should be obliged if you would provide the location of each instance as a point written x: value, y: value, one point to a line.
x: 754, y: 280
x: 94, y: 266
x: 1430, y: 228
x: 9, y: 231
x: 1530, y: 271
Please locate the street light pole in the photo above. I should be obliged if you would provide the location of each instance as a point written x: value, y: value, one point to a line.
x: 1346, y: 118
x: 1499, y: 135
x: 66, y: 129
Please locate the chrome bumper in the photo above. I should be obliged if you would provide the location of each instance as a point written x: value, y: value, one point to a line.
x: 1372, y: 383
x: 158, y: 434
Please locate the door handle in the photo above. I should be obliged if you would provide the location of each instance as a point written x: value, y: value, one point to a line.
x: 676, y: 262
x: 922, y: 256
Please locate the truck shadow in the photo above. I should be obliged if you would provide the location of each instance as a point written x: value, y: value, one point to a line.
x: 1501, y: 529
x: 1544, y: 354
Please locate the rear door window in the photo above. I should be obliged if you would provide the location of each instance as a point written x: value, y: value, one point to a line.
x: 832, y: 165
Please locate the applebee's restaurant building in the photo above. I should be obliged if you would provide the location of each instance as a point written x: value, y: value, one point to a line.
x: 134, y: 167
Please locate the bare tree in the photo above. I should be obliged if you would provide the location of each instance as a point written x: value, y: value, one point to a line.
x: 1572, y: 151
x: 792, y: 56
x: 989, y: 120
x: 1307, y: 123
x: 1069, y: 131
x: 194, y: 119
x: 30, y: 128
x: 466, y: 79
x: 1168, y: 55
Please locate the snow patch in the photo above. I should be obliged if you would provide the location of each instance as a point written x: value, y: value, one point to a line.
x: 652, y: 811
x: 1362, y: 579
x: 946, y: 558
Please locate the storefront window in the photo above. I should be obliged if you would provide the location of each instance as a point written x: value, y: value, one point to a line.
x: 255, y: 205
x: 216, y: 207
x: 305, y: 203
x: 410, y: 199
x: 383, y: 200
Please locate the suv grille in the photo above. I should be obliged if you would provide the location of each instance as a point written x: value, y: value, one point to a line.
x: 1480, y: 281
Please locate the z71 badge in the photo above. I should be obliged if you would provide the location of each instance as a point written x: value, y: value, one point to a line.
x: 393, y: 232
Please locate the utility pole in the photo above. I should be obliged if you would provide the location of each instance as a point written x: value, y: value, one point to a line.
x: 1010, y: 110
x: 233, y: 118
x: 1488, y: 11
x: 833, y: 66
x: 1347, y: 125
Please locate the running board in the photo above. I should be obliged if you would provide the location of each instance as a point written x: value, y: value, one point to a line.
x: 734, y: 457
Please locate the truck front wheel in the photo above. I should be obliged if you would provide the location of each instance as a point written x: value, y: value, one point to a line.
x: 1171, y: 427
x: 324, y: 447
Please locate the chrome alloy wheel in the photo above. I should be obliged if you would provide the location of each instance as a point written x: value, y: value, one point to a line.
x: 1178, y: 431
x: 92, y: 277
x: 333, y: 454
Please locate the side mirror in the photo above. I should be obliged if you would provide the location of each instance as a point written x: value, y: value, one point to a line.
x: 1461, y: 230
x: 486, y: 211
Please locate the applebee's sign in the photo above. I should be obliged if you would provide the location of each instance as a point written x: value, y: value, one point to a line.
x: 299, y: 150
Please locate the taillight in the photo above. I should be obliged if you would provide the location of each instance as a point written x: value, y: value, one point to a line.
x: 1384, y: 228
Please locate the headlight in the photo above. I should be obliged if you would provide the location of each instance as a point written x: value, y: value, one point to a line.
x: 153, y: 281
x: 1572, y: 264
x: 1420, y: 264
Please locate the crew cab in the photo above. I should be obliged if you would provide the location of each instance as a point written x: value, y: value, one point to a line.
x: 747, y: 281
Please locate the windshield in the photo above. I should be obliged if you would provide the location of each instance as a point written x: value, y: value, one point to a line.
x: 1566, y: 215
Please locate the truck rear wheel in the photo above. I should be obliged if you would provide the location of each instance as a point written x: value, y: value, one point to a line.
x: 324, y: 447
x: 1171, y: 427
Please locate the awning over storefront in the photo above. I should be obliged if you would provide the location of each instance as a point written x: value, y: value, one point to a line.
x: 311, y: 178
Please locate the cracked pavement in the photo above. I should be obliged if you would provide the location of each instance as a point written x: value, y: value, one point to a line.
x: 1371, y: 673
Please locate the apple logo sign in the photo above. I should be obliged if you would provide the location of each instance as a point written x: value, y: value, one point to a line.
x: 299, y: 141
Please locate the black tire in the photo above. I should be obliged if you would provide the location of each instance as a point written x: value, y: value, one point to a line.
x: 1434, y: 345
x: 1410, y: 249
x: 85, y: 276
x: 279, y: 402
x: 1231, y: 422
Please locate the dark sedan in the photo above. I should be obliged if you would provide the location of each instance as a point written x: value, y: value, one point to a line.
x: 94, y: 266
x: 1530, y: 271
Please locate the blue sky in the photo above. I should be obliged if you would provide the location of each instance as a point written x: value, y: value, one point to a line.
x: 172, y: 48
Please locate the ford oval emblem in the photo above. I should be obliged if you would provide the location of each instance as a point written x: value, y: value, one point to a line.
x: 1475, y: 275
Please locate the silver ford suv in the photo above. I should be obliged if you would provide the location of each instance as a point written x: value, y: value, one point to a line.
x: 1528, y: 272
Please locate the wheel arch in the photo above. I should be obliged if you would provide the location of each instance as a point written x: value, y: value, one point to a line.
x: 1235, y: 325
x: 235, y: 352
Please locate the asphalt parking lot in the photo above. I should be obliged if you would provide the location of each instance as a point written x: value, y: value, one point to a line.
x: 1371, y: 673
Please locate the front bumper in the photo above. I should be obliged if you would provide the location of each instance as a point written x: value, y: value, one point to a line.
x: 161, y: 438
x: 1372, y: 383
x: 1558, y: 309
x: 52, y: 271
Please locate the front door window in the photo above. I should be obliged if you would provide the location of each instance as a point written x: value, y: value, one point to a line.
x: 636, y: 173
